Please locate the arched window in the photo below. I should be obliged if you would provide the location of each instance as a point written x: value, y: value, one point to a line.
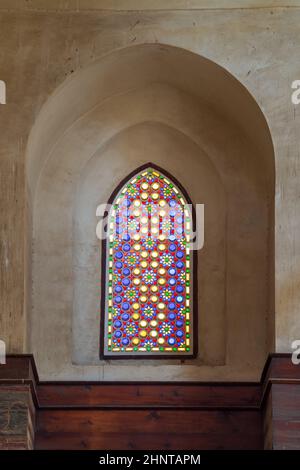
x: 148, y: 270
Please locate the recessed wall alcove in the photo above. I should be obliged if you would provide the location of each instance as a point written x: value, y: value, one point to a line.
x: 195, y: 120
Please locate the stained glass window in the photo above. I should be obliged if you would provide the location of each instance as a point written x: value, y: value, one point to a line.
x: 149, y: 267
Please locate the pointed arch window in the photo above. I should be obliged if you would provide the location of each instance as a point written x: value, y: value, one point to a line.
x: 148, y: 306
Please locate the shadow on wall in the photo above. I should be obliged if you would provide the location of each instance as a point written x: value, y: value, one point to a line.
x: 195, y: 120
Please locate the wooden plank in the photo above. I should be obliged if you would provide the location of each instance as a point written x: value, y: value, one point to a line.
x: 171, y: 415
x: 286, y: 416
x: 17, y: 417
x: 121, y: 429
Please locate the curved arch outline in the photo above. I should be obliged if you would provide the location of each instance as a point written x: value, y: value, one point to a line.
x: 194, y: 276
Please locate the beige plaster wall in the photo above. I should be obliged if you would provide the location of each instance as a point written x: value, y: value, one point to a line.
x: 148, y: 116
x: 39, y: 49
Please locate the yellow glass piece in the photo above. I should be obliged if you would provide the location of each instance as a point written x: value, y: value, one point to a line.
x: 162, y: 213
x: 136, y: 271
x: 136, y: 306
x: 154, y: 299
x: 143, y: 333
x: 136, y: 213
x: 144, y: 264
x: 144, y: 254
x: 162, y: 246
x: 162, y: 203
x: 154, y: 230
x: 154, y: 220
x: 154, y: 288
x: 144, y: 186
x: 154, y: 264
x: 160, y: 340
x: 137, y: 247
x: 144, y: 229
x: 136, y: 237
x: 135, y: 316
x: 135, y: 341
x: 161, y: 306
x: 144, y: 196
x: 143, y: 298
x: 144, y: 220
x: 162, y: 271
x: 155, y: 186
x: 153, y: 333
x: 136, y: 203
x: 154, y: 254
x: 143, y: 288
x: 143, y: 324
x: 153, y: 323
x: 155, y: 196
x: 136, y: 281
x: 162, y: 237
x: 161, y: 316
x: 161, y: 281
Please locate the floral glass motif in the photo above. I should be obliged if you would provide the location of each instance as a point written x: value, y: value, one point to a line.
x: 148, y: 283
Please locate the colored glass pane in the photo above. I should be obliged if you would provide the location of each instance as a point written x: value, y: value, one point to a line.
x: 148, y: 284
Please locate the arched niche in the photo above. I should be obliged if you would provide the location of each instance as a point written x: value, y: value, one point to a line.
x: 194, y: 119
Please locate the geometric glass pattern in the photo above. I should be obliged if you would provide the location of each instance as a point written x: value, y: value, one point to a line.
x: 148, y: 301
